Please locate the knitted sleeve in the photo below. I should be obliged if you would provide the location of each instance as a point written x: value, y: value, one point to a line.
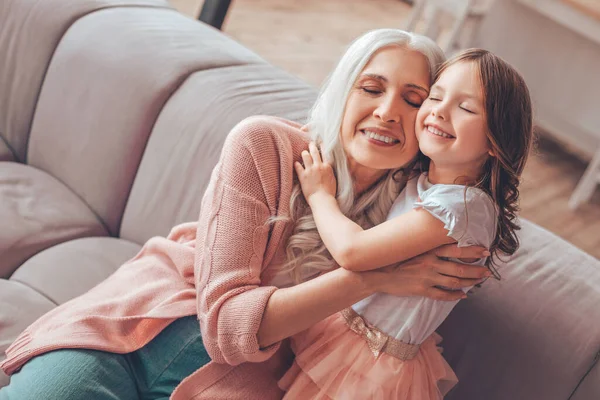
x: 251, y: 182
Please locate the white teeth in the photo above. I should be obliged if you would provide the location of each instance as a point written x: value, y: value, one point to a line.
x: 381, y: 138
x: 439, y: 133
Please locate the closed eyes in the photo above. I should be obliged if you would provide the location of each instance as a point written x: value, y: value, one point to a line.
x: 460, y: 106
x: 371, y: 91
x: 375, y: 92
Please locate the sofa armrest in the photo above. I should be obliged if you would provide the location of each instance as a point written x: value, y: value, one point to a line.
x: 535, y: 333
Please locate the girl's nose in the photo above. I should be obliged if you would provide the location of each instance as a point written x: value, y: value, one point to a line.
x: 439, y: 111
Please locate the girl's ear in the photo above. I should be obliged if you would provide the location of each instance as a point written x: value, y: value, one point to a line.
x: 491, y: 153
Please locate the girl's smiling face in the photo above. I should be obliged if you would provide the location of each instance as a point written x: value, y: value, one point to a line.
x: 451, y: 125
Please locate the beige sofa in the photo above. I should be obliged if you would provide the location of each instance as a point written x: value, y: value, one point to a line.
x: 112, y: 115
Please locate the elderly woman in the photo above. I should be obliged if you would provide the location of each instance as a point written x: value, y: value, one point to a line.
x: 253, y: 269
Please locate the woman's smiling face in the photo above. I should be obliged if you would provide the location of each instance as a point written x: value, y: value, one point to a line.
x: 378, y: 127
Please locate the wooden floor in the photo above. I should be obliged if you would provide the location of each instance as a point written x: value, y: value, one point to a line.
x: 306, y: 37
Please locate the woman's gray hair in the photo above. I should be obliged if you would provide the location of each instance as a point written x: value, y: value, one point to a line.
x: 305, y: 248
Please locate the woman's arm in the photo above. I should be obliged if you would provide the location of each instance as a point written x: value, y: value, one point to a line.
x: 235, y: 241
x: 241, y: 319
x: 353, y: 248
x: 297, y: 308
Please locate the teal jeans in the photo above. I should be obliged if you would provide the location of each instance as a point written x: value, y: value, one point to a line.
x: 151, y: 372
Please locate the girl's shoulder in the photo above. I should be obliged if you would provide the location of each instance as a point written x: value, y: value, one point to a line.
x: 468, y: 213
x: 455, y: 196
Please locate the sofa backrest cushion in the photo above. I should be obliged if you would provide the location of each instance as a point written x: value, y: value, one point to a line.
x: 188, y: 136
x: 30, y: 30
x: 110, y: 76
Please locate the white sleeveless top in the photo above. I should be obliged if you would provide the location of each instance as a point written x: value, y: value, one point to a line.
x: 470, y: 217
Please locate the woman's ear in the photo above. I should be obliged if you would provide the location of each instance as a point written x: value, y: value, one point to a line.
x: 491, y: 153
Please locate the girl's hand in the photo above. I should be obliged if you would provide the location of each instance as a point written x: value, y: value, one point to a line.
x: 425, y: 275
x: 316, y: 176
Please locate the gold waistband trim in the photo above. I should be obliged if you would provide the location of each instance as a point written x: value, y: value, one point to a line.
x: 378, y: 341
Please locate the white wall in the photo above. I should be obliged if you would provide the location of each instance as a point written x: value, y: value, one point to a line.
x: 561, y: 66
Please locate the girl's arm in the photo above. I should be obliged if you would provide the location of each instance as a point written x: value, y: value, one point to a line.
x: 396, y: 240
x: 353, y: 248
x: 241, y: 319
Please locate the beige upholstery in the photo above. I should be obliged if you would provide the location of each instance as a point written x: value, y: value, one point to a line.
x: 26, y: 53
x: 130, y: 62
x: 112, y: 116
x: 20, y: 306
x: 588, y: 389
x: 72, y: 268
x: 6, y: 153
x: 188, y: 136
x: 544, y: 313
x: 37, y: 212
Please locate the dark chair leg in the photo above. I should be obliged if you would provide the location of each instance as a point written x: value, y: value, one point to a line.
x: 214, y: 11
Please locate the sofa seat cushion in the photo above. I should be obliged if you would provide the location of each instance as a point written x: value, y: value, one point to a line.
x: 70, y: 269
x: 37, y: 211
x: 20, y: 305
x: 53, y: 277
x: 534, y: 333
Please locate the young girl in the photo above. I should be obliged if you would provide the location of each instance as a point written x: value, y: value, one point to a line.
x: 475, y: 128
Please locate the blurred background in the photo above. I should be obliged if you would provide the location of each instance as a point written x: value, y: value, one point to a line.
x: 555, y: 44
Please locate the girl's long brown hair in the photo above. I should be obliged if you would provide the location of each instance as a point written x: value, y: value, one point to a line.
x: 509, y: 117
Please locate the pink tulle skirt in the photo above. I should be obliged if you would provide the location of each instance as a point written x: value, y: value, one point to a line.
x: 334, y: 363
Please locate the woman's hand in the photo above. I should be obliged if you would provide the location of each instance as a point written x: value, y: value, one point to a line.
x: 424, y: 275
x: 316, y: 176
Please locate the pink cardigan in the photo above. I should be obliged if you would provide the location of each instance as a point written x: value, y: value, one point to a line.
x: 217, y: 268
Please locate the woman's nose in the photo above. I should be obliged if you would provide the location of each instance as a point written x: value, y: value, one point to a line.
x: 389, y: 111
